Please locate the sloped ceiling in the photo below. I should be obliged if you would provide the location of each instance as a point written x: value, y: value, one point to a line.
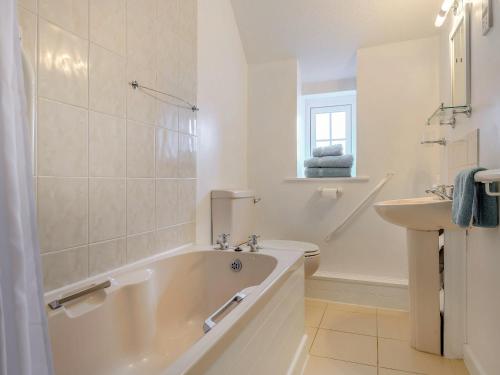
x: 325, y: 34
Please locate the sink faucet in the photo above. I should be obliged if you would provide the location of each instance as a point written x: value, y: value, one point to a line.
x: 223, y: 241
x: 252, y: 242
x: 444, y: 192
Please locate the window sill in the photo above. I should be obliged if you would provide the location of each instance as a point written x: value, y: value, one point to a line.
x: 329, y: 179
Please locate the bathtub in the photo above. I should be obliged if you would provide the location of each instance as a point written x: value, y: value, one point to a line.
x: 152, y: 319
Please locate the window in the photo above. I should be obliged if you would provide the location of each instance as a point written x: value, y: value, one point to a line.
x: 331, y: 125
x: 326, y: 119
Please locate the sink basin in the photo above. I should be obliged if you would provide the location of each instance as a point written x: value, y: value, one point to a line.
x: 427, y: 213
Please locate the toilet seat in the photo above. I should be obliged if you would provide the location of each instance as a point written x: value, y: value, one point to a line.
x: 308, y: 248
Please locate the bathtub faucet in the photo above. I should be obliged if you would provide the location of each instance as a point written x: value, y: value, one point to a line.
x: 223, y: 241
x: 252, y: 242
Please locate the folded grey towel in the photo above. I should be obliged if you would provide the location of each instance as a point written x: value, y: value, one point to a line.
x: 470, y: 201
x: 344, y: 161
x: 333, y: 150
x: 327, y: 172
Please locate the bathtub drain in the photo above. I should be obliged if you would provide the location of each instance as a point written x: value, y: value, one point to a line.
x: 236, y: 265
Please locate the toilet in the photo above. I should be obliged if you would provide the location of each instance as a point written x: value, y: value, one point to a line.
x: 233, y: 213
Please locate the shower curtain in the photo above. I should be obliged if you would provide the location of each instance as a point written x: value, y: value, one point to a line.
x: 24, y: 343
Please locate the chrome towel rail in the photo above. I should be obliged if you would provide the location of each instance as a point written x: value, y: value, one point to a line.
x: 136, y: 85
x: 209, y: 323
x: 54, y: 305
x: 459, y: 109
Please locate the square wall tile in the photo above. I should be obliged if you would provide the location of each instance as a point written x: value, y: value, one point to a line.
x: 62, y: 212
x: 65, y: 267
x: 107, y: 24
x: 107, y: 209
x: 167, y: 59
x: 105, y: 256
x: 28, y: 26
x: 166, y: 202
x: 71, y: 15
x: 141, y: 34
x: 62, y: 140
x: 187, y: 201
x: 140, y: 246
x: 187, y: 156
x: 168, y: 14
x: 107, y: 81
x: 167, y: 115
x: 107, y: 145
x: 62, y: 65
x: 187, y: 234
x: 140, y: 205
x: 187, y: 121
x: 345, y: 346
x: 141, y: 103
x: 167, y: 239
x: 167, y: 149
x: 140, y: 150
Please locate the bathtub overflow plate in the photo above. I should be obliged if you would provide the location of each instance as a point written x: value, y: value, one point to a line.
x: 236, y: 265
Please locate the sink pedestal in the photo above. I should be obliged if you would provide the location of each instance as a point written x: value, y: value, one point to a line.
x: 424, y: 286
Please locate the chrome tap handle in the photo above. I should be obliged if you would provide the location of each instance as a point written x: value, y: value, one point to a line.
x: 253, y: 243
x: 223, y: 241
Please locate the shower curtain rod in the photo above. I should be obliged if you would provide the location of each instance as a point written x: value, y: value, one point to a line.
x: 136, y: 85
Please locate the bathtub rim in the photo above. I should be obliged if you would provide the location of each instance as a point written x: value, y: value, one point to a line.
x: 206, y: 350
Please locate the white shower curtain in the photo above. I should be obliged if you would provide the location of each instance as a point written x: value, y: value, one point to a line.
x: 24, y: 344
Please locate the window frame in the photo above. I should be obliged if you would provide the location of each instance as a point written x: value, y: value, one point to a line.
x: 304, y: 133
x: 345, y: 108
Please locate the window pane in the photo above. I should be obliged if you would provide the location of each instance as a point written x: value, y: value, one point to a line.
x: 322, y: 143
x: 339, y: 124
x: 322, y: 126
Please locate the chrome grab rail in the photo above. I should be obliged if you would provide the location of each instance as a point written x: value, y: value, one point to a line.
x: 209, y: 323
x: 54, y: 305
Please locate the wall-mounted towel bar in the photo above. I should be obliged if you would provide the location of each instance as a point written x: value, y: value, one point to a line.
x: 456, y: 110
x: 136, y: 85
x: 488, y: 177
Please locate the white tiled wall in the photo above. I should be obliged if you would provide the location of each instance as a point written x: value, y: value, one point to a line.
x: 115, y: 168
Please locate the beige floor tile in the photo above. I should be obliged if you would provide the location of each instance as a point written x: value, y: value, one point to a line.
x: 398, y: 355
x: 385, y: 371
x: 315, y: 302
x: 349, y: 307
x: 345, y: 346
x: 327, y: 366
x: 393, y: 324
x: 363, y: 323
x: 458, y: 367
x: 311, y: 334
x: 314, y: 314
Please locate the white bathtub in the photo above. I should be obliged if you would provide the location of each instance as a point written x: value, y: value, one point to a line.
x: 150, y: 320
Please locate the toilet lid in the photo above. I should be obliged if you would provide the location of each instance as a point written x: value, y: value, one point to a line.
x: 307, y: 247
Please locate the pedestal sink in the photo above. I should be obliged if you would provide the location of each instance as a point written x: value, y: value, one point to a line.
x: 423, y: 218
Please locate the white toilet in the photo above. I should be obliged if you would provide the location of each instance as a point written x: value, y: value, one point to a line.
x: 233, y: 212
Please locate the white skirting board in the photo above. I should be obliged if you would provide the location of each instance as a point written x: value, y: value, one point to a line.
x: 355, y: 289
x: 472, y: 363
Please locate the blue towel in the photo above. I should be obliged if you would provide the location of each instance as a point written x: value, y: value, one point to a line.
x: 470, y: 202
x: 327, y: 172
x: 333, y: 150
x: 344, y: 161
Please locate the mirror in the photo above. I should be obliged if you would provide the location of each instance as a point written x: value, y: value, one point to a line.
x: 460, y: 60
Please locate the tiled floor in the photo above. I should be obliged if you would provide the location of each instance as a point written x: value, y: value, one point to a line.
x: 357, y: 340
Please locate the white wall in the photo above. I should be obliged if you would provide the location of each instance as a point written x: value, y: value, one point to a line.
x: 483, y: 250
x: 397, y: 87
x: 222, y: 97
